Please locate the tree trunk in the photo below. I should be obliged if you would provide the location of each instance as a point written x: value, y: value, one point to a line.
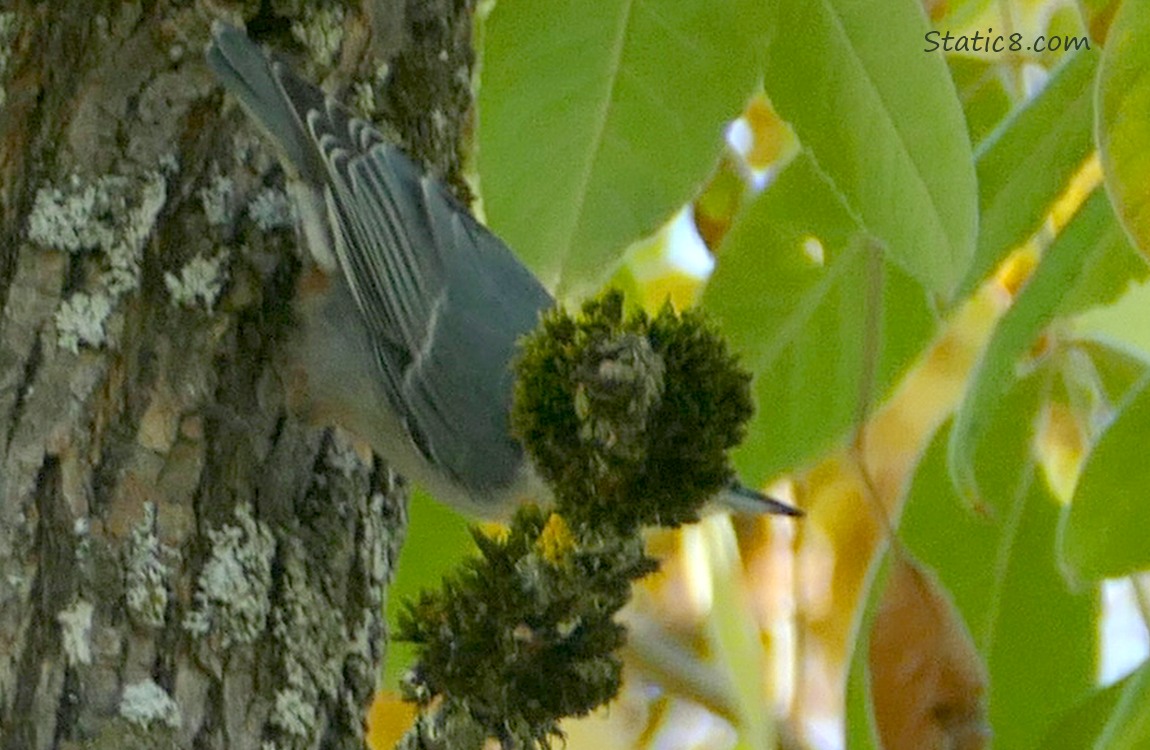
x: 182, y: 563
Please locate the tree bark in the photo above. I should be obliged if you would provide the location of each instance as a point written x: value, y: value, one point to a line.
x: 182, y: 563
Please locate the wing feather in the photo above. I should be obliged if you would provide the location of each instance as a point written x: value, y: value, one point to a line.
x: 443, y: 300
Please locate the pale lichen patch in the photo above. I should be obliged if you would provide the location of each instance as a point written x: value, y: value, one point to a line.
x: 232, y: 597
x: 82, y: 319
x: 112, y: 215
x: 272, y: 209
x: 200, y: 281
x: 76, y: 630
x: 218, y: 200
x: 316, y: 638
x: 144, y: 703
x: 146, y: 573
x: 321, y: 31
x: 293, y: 714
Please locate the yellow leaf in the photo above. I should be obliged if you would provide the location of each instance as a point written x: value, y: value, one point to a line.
x: 388, y: 718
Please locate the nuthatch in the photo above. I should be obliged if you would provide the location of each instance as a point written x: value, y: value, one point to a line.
x: 413, y: 322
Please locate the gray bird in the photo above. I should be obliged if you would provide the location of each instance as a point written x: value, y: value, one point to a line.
x: 412, y: 322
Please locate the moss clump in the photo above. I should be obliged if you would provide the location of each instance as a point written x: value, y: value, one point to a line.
x: 629, y: 417
x: 524, y: 634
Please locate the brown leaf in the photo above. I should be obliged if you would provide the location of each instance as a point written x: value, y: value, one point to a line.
x: 928, y: 683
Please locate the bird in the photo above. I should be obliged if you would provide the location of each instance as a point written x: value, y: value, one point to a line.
x: 414, y: 310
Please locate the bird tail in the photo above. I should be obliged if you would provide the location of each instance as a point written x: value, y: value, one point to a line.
x: 278, y: 100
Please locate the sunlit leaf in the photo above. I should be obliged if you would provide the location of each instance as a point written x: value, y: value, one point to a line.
x: 1003, y: 573
x: 1128, y: 727
x: 813, y: 310
x: 1110, y: 263
x: 1027, y: 161
x: 1118, y: 370
x: 1099, y: 14
x: 983, y: 94
x: 596, y: 126
x: 437, y: 540
x: 1127, y: 320
x: 883, y: 122
x: 1104, y: 535
x: 861, y: 733
x: 961, y: 14
x: 1079, y: 269
x: 1124, y: 118
x: 735, y: 641
x: 1079, y: 727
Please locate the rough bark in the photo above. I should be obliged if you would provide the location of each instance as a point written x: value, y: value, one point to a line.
x: 182, y: 562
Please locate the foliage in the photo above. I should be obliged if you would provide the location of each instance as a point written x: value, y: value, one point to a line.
x: 936, y: 284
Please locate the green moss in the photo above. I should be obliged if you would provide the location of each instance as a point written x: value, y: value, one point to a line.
x: 523, y: 636
x: 629, y: 417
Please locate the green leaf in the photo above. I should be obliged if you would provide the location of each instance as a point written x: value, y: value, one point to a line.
x: 1124, y: 118
x: 734, y: 642
x: 813, y: 331
x: 1116, y: 369
x: 437, y: 542
x: 959, y: 15
x: 1128, y: 727
x: 1110, y: 263
x: 1127, y: 320
x: 1080, y: 726
x: 596, y: 125
x: 882, y: 119
x: 861, y: 732
x: 1026, y: 163
x: 1089, y: 263
x: 1105, y: 530
x: 1098, y: 15
x: 982, y: 91
x: 1037, y: 633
